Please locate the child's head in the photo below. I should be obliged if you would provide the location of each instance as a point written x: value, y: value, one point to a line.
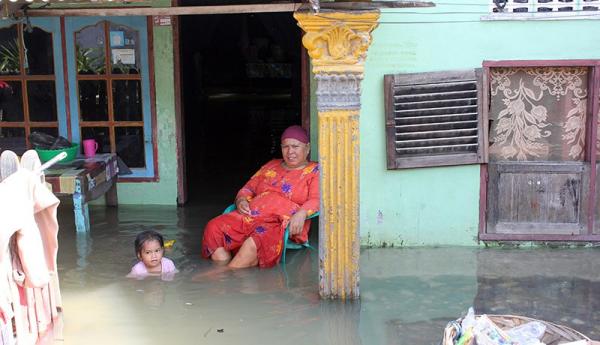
x: 149, y: 248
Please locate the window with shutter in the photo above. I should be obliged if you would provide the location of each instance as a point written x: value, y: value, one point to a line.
x: 433, y: 119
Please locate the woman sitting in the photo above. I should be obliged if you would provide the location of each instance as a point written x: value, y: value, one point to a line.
x: 284, y: 191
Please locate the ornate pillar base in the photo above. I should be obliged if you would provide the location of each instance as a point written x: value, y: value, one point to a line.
x: 337, y: 43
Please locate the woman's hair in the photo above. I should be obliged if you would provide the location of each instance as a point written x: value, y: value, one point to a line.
x: 145, y: 236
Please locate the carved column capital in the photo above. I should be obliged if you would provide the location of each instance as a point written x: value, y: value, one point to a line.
x: 337, y: 42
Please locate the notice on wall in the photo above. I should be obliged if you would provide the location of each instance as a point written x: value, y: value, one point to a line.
x: 124, y: 56
x: 162, y: 20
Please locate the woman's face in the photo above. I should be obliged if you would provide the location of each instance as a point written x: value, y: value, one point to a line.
x: 294, y: 152
x: 150, y: 255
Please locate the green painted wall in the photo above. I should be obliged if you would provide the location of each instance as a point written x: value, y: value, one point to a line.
x: 440, y: 206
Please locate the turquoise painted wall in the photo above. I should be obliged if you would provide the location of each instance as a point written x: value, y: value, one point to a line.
x: 440, y: 206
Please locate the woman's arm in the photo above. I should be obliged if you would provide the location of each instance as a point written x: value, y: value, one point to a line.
x: 311, y: 205
x: 308, y: 208
x: 247, y: 192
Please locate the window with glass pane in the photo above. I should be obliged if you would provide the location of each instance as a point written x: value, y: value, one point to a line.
x: 9, y: 51
x: 100, y: 134
x: 130, y: 144
x: 42, y: 100
x: 89, y: 47
x: 11, y: 102
x: 40, y: 61
x: 93, y: 101
x: 127, y: 100
x: 124, y: 45
x: 110, y: 99
x: 53, y: 131
x: 27, y: 86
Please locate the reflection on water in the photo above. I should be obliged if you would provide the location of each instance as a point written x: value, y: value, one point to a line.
x: 563, y: 286
x: 408, y: 295
x: 83, y: 243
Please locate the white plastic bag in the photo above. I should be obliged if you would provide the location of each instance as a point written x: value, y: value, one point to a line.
x: 528, y: 333
x: 488, y: 333
x: 469, y: 320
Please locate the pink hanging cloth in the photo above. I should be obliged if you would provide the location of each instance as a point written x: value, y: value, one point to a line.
x: 29, y: 289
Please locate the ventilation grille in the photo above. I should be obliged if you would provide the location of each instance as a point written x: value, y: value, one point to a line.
x: 436, y: 117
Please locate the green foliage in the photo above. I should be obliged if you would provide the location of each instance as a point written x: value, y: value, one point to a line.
x: 9, y: 57
x: 90, y: 60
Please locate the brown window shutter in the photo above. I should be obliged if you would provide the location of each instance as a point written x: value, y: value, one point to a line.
x: 433, y: 119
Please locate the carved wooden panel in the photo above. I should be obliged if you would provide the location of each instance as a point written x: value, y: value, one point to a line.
x: 538, y: 198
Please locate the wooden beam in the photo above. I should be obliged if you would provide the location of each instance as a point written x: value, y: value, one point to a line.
x: 166, y: 11
x: 223, y: 9
x: 9, y: 9
x: 372, y: 5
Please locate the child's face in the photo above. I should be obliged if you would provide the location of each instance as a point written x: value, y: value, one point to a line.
x: 151, y: 254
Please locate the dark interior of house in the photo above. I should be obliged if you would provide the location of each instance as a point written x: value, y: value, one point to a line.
x: 241, y: 88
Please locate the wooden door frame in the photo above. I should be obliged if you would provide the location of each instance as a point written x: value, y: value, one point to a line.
x: 304, y: 87
x: 590, y: 153
x: 182, y: 195
x: 182, y: 183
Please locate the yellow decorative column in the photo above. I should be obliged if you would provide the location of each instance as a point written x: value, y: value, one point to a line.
x: 337, y: 43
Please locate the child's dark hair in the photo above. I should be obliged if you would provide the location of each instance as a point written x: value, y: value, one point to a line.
x: 145, y: 236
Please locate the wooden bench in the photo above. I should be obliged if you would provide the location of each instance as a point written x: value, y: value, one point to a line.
x: 86, y: 180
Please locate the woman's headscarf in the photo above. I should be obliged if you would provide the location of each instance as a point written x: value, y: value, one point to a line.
x: 295, y: 132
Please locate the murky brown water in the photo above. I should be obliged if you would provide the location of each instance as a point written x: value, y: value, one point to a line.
x: 408, y: 295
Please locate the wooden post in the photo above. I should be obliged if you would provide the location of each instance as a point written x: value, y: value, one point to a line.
x: 337, y: 43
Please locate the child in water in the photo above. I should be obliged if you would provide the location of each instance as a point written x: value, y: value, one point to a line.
x: 149, y: 248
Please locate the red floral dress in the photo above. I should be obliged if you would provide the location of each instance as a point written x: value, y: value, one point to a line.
x: 275, y: 194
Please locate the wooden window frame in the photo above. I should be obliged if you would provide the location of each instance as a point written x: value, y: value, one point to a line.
x: 150, y: 172
x: 590, y: 154
x: 109, y: 78
x: 24, y: 78
x: 396, y: 160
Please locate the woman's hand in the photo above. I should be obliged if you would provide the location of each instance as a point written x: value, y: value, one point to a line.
x: 243, y: 206
x: 297, y: 222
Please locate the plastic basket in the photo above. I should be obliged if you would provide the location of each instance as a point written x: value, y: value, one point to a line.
x: 554, y: 335
x: 46, y: 155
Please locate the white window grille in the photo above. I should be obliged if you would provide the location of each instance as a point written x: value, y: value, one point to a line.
x: 543, y: 6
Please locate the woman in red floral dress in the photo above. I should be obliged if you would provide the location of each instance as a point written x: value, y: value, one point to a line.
x: 284, y: 191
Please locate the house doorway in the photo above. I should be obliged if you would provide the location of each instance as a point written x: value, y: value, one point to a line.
x: 241, y: 77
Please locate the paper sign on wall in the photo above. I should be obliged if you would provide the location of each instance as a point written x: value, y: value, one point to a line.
x: 162, y: 20
x: 124, y: 56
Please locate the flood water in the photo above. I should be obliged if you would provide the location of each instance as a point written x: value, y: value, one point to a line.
x: 407, y: 295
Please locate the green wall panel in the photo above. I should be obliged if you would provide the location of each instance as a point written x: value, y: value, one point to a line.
x: 440, y: 206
